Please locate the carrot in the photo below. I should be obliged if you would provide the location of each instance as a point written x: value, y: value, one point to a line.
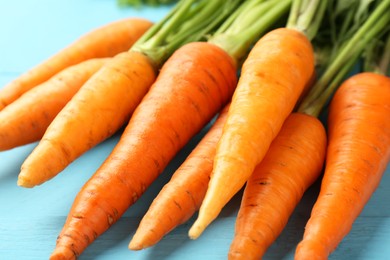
x: 105, y: 41
x: 26, y: 119
x: 292, y: 164
x: 107, y: 100
x: 177, y: 106
x: 80, y: 125
x: 357, y: 156
x: 156, y: 132
x: 359, y: 140
x: 273, y: 77
x: 182, y: 196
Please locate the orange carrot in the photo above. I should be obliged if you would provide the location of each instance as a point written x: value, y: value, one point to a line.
x: 105, y: 41
x: 273, y: 77
x: 293, y: 162
x: 357, y: 156
x: 109, y: 97
x: 181, y: 197
x: 177, y: 106
x: 26, y: 119
x: 82, y: 124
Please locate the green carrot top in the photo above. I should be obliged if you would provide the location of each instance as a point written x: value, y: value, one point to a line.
x: 362, y: 22
x: 306, y: 16
x: 189, y: 20
x: 255, y: 17
x: 247, y: 24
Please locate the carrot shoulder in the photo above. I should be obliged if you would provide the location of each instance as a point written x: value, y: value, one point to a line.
x: 105, y: 41
x: 27, y: 118
x: 112, y: 93
x: 181, y: 197
x: 177, y: 106
x: 293, y: 162
x: 273, y: 77
x: 357, y: 156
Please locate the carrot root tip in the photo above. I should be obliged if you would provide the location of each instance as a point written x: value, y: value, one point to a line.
x: 196, y: 230
x: 311, y: 249
x: 24, y: 182
x: 63, y: 253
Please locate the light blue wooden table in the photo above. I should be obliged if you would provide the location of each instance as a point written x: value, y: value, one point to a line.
x: 31, y: 219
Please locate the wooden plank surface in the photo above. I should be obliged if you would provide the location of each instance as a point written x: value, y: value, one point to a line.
x: 30, y: 219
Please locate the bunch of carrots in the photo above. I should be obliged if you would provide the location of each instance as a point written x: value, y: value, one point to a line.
x: 256, y: 68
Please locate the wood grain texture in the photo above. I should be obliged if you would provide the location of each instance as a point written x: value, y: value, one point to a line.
x: 31, y: 219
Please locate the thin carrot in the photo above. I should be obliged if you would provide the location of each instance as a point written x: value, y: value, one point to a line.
x: 292, y: 164
x: 109, y: 97
x: 182, y: 196
x: 273, y: 77
x: 177, y: 106
x: 26, y: 119
x: 357, y: 156
x: 105, y: 41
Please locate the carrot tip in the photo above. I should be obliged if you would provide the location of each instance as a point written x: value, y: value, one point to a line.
x: 24, y: 182
x: 62, y: 253
x: 135, y: 245
x: 142, y: 240
x: 196, y: 230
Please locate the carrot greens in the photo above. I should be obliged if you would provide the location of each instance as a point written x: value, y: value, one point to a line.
x: 346, y: 54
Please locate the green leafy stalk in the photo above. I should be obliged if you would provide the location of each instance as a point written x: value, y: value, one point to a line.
x: 344, y: 58
x: 246, y: 25
x: 189, y: 20
x: 306, y: 16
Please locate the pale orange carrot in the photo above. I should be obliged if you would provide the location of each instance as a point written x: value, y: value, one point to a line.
x: 357, y: 156
x: 273, y: 77
x: 177, y: 107
x: 105, y: 41
x: 26, y: 119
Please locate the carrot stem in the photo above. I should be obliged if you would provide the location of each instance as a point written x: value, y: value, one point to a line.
x: 321, y: 91
x: 247, y: 25
x: 189, y: 20
x: 306, y: 16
